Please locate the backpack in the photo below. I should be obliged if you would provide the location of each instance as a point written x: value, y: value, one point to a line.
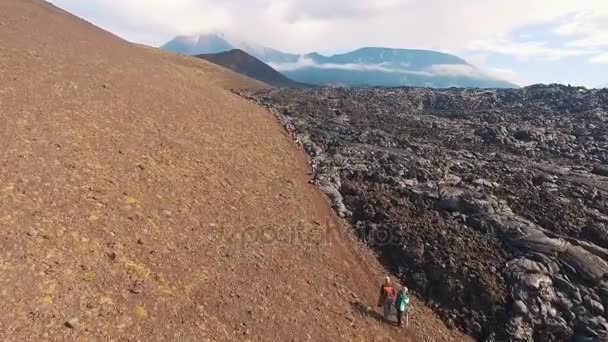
x: 404, y: 302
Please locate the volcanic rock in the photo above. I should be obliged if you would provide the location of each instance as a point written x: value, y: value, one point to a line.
x: 482, y: 200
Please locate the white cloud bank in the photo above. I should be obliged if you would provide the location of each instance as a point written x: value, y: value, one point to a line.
x: 587, y: 30
x: 306, y: 25
x: 527, y: 50
x: 306, y: 62
x: 301, y: 26
x: 600, y: 58
x: 446, y: 70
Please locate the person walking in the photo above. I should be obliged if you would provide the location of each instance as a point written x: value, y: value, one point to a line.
x: 402, y: 304
x: 387, y: 298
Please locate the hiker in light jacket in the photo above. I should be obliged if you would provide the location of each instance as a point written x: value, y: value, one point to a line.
x: 387, y: 298
x: 402, y: 304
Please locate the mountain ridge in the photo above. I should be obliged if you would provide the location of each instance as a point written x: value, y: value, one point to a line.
x: 366, y: 66
x: 243, y: 63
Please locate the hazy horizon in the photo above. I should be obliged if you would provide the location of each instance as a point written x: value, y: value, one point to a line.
x: 525, y: 42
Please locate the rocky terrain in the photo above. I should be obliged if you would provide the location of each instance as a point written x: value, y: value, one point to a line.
x: 491, y: 204
x: 142, y: 200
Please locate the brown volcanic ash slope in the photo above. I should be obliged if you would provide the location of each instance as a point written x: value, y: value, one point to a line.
x: 139, y: 198
x: 245, y: 64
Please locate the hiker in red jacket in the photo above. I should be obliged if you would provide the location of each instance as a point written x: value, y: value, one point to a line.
x: 387, y: 298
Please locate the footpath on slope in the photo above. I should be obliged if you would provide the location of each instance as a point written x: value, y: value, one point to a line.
x: 139, y: 199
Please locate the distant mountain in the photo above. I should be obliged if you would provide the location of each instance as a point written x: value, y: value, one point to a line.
x: 196, y: 45
x: 389, y: 67
x: 370, y: 66
x: 219, y: 42
x: 243, y: 63
x: 414, y: 59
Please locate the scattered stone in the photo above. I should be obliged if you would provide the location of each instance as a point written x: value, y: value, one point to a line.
x: 137, y: 287
x: 72, y: 323
x: 111, y: 256
x: 483, y: 182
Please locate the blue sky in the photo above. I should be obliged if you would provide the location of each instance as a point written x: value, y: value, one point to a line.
x: 524, y: 41
x: 562, y: 50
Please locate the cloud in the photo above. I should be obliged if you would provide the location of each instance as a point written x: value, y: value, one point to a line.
x: 446, y: 70
x: 481, y: 61
x: 151, y: 22
x: 456, y: 70
x: 587, y: 29
x: 507, y: 75
x: 306, y: 62
x: 527, y: 49
x: 340, y: 9
x: 599, y: 58
x: 483, y: 29
x: 478, y: 59
x: 307, y: 25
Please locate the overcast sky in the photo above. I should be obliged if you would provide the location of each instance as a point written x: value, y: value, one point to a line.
x: 526, y: 41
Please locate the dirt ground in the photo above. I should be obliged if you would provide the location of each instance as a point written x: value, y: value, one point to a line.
x: 141, y: 200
